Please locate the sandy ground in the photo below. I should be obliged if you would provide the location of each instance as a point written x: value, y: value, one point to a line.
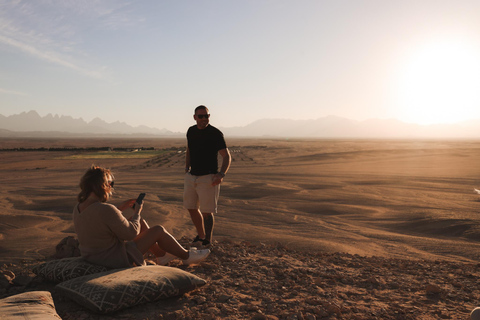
x: 391, y: 199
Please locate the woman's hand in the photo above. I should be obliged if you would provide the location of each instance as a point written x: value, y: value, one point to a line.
x: 126, y: 204
x: 138, y: 207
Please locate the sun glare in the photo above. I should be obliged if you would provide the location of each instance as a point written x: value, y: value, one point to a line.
x: 440, y: 84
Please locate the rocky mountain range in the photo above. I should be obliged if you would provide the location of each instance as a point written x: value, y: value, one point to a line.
x: 31, y: 124
x: 338, y: 127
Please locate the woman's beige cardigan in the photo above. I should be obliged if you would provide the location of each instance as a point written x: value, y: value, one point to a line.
x: 105, y: 235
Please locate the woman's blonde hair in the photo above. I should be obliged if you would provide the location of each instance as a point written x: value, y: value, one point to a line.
x: 95, y: 180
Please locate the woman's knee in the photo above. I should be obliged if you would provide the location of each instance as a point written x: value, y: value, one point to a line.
x: 158, y: 229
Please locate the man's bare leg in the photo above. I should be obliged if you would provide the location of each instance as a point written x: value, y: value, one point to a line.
x: 197, y: 219
x: 208, y: 222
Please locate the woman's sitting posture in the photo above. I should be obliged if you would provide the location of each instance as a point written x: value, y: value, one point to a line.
x: 107, y: 238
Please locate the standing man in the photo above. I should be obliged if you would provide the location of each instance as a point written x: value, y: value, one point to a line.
x: 202, y: 178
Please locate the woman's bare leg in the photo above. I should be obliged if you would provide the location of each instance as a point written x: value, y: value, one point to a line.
x: 158, y: 236
x: 155, y: 249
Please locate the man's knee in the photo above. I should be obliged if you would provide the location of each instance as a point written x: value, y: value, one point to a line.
x: 194, y: 212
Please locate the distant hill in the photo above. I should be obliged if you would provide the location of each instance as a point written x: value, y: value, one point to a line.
x: 31, y: 124
x: 337, y: 127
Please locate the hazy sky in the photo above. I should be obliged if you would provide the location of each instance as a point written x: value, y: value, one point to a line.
x: 152, y: 62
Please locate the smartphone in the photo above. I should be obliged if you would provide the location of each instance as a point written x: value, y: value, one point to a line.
x: 139, y: 199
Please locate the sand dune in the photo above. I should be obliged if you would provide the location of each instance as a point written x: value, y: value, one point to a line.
x: 393, y: 198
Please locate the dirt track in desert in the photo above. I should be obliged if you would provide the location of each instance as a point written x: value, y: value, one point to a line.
x: 396, y: 198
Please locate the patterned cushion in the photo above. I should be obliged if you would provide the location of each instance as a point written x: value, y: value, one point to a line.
x: 33, y: 305
x: 66, y: 269
x: 113, y: 290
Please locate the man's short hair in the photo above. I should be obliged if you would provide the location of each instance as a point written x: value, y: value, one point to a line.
x: 200, y: 108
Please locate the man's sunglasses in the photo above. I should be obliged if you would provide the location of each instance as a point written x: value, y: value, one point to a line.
x: 201, y: 116
x: 111, y: 183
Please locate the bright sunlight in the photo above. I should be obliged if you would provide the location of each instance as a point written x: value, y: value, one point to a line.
x: 440, y: 84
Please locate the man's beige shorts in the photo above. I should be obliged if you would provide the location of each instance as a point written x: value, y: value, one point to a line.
x: 198, y: 193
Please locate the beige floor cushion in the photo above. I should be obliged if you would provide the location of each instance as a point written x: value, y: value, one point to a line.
x: 65, y: 269
x: 117, y: 289
x: 33, y: 305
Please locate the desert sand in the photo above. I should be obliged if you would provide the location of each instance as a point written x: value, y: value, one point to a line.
x: 393, y: 209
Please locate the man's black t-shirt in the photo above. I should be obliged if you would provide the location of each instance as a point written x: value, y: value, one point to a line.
x: 204, y: 145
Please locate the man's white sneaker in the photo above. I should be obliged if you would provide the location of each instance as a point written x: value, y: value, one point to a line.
x: 163, y: 261
x: 195, y: 256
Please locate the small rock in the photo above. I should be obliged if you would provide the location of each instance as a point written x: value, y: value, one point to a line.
x: 259, y: 316
x: 200, y: 300
x: 224, y: 298
x: 9, y: 274
x: 334, y: 308
x: 433, y: 289
x: 213, y: 311
x: 310, y: 316
x: 250, y: 307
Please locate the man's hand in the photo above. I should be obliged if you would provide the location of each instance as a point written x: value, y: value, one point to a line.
x: 217, y: 179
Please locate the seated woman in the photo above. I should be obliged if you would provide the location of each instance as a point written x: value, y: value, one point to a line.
x: 107, y: 238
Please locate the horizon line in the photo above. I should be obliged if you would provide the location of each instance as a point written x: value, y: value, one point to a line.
x: 290, y: 119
